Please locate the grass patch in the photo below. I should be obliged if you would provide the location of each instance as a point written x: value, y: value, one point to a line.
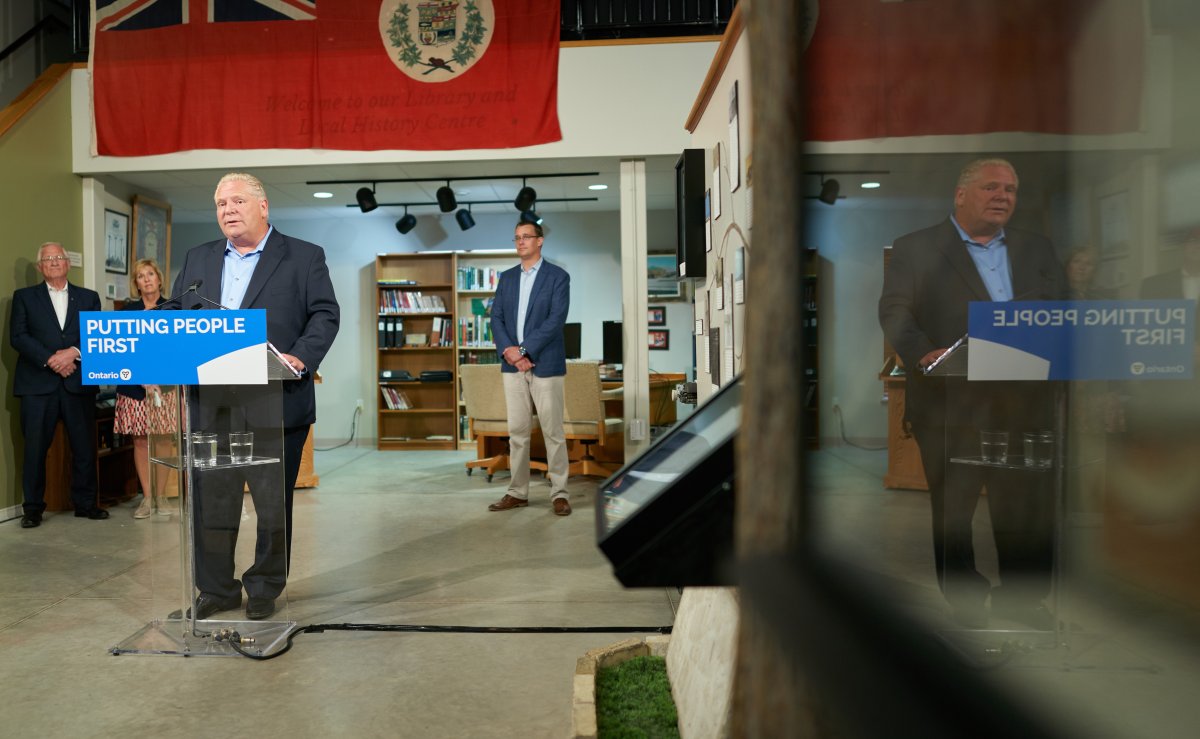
x: 633, y: 701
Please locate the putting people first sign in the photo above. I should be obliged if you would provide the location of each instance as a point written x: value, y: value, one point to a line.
x: 1082, y: 340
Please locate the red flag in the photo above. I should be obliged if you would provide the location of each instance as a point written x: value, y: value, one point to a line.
x: 944, y: 67
x: 174, y: 75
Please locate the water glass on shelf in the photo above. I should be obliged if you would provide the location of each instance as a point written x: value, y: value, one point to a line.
x: 993, y: 446
x: 204, y: 450
x: 241, y: 446
x: 1039, y: 448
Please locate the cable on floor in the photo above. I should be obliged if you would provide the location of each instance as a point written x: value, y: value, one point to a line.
x: 842, y: 430
x: 235, y: 639
x: 353, y: 432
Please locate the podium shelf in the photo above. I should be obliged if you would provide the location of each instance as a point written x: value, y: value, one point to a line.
x: 224, y: 462
x: 1015, y: 462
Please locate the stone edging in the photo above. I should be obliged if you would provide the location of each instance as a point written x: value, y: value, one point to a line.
x: 583, y: 698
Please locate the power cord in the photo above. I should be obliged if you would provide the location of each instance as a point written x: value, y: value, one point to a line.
x: 236, y: 640
x: 837, y: 409
x: 353, y: 432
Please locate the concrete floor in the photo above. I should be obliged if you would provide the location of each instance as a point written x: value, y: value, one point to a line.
x: 388, y: 538
x: 405, y: 538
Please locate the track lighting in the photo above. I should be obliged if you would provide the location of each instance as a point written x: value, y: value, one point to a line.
x: 465, y: 219
x: 525, y: 198
x: 407, y: 222
x: 829, y: 191
x: 530, y: 216
x: 445, y: 198
x: 366, y: 199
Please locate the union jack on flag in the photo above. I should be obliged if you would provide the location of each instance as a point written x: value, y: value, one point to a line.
x: 138, y: 15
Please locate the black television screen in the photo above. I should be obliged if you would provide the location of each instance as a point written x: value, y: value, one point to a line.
x: 614, y: 343
x: 666, y: 518
x: 573, y: 338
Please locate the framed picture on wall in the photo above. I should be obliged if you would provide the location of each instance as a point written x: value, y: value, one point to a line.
x: 662, y: 276
x: 656, y: 315
x: 152, y: 232
x: 116, y: 242
x: 659, y: 338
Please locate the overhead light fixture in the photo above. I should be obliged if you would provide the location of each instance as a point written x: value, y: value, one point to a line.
x: 366, y: 198
x: 870, y: 185
x: 407, y: 222
x: 530, y: 216
x: 526, y: 197
x: 597, y: 187
x: 464, y: 218
x: 322, y: 195
x: 829, y: 191
x: 445, y: 198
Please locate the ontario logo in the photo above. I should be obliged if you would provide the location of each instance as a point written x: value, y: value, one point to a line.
x: 436, y: 40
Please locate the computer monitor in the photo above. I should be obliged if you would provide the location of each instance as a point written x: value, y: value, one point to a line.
x: 613, y: 338
x: 573, y: 338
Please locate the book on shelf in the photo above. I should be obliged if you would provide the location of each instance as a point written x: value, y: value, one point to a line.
x: 439, y: 437
x: 395, y: 400
x: 475, y: 331
x: 479, y: 358
x: 478, y: 278
x: 392, y: 281
x: 409, y: 301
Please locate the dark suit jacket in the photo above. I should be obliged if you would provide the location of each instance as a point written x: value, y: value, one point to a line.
x: 291, y: 281
x: 928, y: 284
x: 35, y: 334
x: 1164, y: 286
x: 544, y: 318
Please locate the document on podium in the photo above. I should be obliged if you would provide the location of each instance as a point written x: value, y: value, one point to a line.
x: 952, y: 361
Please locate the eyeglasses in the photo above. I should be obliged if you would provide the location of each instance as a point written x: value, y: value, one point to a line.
x: 52, y: 260
x: 518, y: 239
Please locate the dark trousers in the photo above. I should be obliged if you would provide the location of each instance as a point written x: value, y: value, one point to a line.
x: 39, y: 416
x: 217, y: 507
x: 1021, y: 504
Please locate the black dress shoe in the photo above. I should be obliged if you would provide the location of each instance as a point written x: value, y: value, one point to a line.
x: 207, y: 604
x: 259, y: 608
x: 96, y: 514
x: 31, y: 520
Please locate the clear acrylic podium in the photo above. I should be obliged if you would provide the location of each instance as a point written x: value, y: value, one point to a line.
x: 220, y: 525
x: 1025, y: 500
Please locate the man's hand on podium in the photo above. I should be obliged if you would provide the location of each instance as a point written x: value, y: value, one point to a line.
x: 294, y: 361
x: 928, y: 358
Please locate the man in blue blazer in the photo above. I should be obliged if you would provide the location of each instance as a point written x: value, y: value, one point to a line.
x: 45, y: 332
x: 255, y: 266
x: 528, y: 314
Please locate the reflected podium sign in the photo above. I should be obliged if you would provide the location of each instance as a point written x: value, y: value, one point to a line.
x: 214, y: 407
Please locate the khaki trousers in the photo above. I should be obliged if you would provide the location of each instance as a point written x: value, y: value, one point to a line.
x: 523, y: 392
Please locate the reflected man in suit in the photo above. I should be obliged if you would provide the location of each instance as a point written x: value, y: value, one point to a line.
x: 931, y: 277
x: 45, y: 332
x: 532, y: 300
x: 256, y: 266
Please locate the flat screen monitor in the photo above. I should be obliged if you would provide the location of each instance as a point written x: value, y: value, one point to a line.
x: 614, y: 342
x: 573, y: 338
x: 666, y: 518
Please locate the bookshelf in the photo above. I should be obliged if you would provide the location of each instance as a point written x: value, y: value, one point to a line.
x: 415, y: 334
x: 432, y: 316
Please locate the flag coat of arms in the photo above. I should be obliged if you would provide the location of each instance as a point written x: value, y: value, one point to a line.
x: 176, y: 75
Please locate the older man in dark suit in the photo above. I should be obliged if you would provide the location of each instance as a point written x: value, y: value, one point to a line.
x: 931, y: 277
x: 45, y: 332
x: 255, y: 266
x: 532, y: 300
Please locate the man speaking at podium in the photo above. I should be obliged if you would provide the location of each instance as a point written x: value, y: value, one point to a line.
x: 255, y: 266
x: 931, y: 277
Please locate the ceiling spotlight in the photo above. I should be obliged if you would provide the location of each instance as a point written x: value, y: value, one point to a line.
x: 366, y: 199
x: 525, y: 199
x: 464, y: 218
x: 530, y: 216
x: 406, y: 223
x: 445, y: 198
x: 829, y: 191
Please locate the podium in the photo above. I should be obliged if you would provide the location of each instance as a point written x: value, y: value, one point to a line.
x: 226, y: 531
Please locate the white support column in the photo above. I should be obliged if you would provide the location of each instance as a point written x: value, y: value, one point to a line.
x: 633, y: 306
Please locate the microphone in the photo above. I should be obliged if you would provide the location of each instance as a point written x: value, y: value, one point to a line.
x: 175, y: 300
